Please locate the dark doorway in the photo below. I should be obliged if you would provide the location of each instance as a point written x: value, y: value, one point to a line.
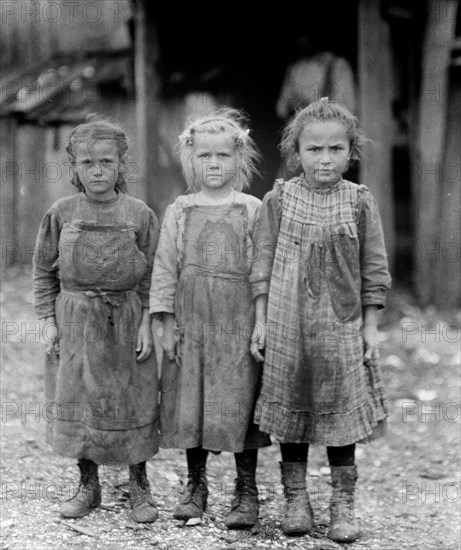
x: 243, y: 52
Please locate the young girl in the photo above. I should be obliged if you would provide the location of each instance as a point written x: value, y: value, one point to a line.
x: 318, y: 283
x: 92, y: 270
x: 200, y: 286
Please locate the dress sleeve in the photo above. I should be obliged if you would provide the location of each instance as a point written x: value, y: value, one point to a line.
x: 147, y: 244
x: 46, y: 283
x: 265, y: 242
x: 166, y: 273
x: 375, y: 277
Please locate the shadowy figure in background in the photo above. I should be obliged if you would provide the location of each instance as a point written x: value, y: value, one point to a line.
x: 313, y: 75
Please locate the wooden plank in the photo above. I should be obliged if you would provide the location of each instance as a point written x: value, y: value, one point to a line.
x: 448, y: 282
x: 375, y: 91
x: 147, y: 111
x: 439, y: 36
x: 9, y: 176
x: 30, y: 193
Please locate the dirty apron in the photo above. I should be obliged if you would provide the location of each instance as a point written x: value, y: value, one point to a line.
x: 208, y: 393
x: 101, y: 404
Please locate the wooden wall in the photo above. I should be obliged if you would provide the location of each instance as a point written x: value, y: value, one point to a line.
x: 34, y: 30
x: 375, y: 114
x: 437, y: 241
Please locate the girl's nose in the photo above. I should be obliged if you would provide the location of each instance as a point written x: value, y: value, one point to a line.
x: 325, y: 157
x: 214, y: 164
x: 97, y: 168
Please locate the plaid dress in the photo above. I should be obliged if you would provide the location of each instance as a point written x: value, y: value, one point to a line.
x: 321, y: 257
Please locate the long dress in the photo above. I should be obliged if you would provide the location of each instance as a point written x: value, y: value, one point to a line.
x: 201, y: 275
x: 322, y: 259
x: 92, y: 269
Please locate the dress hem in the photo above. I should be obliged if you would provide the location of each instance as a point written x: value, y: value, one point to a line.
x: 365, y: 423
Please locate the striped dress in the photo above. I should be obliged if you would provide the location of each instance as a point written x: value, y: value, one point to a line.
x: 321, y: 258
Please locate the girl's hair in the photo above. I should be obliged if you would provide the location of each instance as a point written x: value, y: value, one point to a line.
x: 97, y: 127
x: 322, y: 110
x: 231, y: 122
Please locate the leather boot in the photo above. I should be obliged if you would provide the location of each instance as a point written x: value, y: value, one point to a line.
x: 245, y: 505
x: 298, y: 511
x: 88, y: 494
x: 343, y: 526
x: 144, y: 509
x: 194, y: 501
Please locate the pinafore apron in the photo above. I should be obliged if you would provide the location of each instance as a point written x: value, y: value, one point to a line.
x: 101, y: 404
x: 209, y: 392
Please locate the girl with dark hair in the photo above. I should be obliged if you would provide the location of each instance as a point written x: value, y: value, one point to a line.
x: 92, y: 270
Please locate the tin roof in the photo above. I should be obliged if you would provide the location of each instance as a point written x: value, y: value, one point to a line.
x: 66, y: 88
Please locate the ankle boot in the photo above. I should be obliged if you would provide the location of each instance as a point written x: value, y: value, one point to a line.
x: 245, y: 505
x: 88, y: 494
x: 144, y: 509
x: 194, y: 501
x: 298, y: 511
x: 343, y: 526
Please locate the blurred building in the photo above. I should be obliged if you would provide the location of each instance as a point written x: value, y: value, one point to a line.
x: 151, y: 64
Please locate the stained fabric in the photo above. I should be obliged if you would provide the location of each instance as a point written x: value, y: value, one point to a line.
x: 208, y: 393
x: 322, y: 259
x: 92, y: 268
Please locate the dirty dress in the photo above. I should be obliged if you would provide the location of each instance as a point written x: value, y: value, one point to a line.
x: 322, y: 260
x: 201, y: 275
x: 92, y: 269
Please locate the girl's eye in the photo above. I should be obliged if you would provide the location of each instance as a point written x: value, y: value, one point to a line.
x: 314, y: 149
x: 223, y: 155
x: 204, y: 155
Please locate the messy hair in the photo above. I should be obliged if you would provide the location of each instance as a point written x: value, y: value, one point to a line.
x: 229, y: 121
x: 322, y: 110
x: 94, y: 128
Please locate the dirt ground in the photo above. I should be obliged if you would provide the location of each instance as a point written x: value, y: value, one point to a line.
x: 408, y: 495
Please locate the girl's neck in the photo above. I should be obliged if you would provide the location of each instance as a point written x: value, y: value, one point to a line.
x: 321, y: 185
x: 94, y: 197
x: 216, y: 194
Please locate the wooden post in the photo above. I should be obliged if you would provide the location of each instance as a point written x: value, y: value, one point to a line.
x: 438, y: 41
x: 447, y: 281
x: 9, y: 186
x: 147, y: 112
x: 375, y: 91
x: 30, y: 193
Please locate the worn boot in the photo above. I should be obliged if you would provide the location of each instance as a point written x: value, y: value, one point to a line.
x: 144, y: 509
x: 343, y: 526
x: 298, y: 512
x: 88, y: 494
x: 194, y: 501
x: 245, y: 505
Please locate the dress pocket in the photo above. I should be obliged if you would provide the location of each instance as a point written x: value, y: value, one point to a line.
x: 342, y: 269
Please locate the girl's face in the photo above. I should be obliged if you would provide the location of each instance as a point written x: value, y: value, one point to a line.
x: 98, y: 166
x: 324, y: 151
x: 214, y: 162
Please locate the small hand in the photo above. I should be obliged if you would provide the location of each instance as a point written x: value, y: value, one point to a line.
x: 50, y: 330
x: 371, y: 345
x: 168, y: 343
x: 258, y: 342
x: 145, y: 342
